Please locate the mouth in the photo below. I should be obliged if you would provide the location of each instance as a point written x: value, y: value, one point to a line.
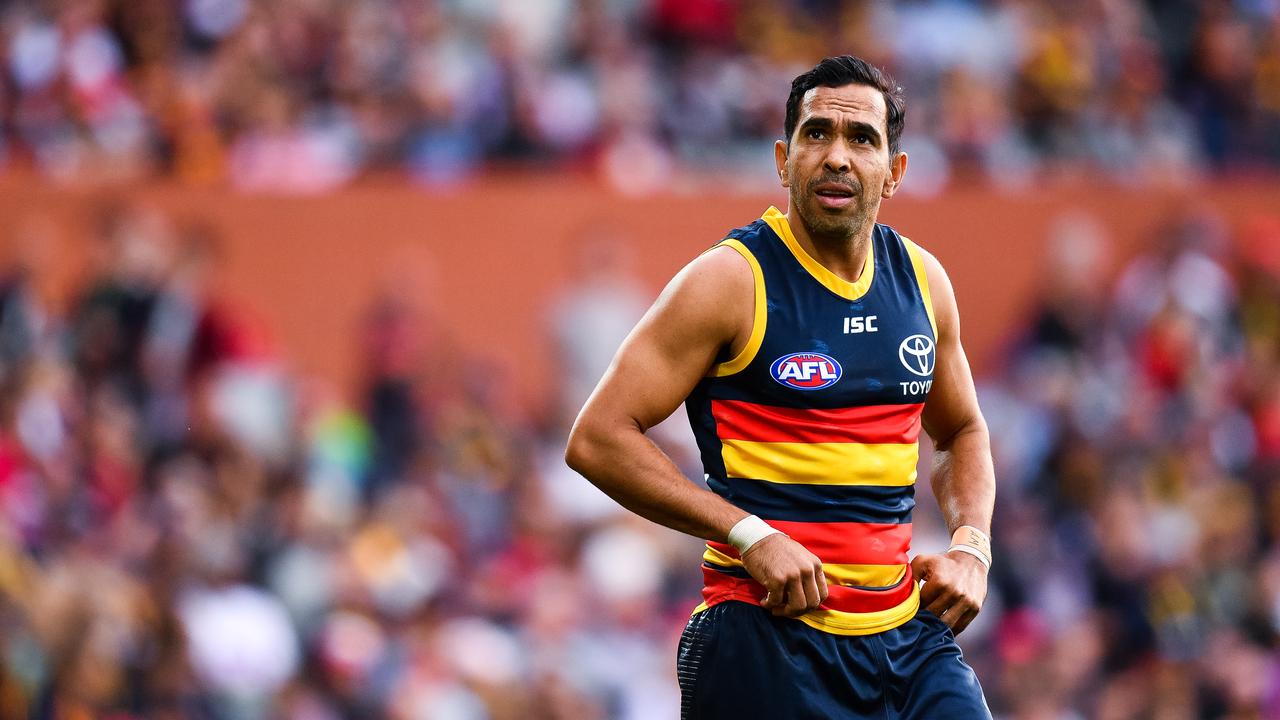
x: 833, y: 195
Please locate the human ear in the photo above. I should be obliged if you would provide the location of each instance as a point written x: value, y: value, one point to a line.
x: 897, y: 168
x: 780, y: 159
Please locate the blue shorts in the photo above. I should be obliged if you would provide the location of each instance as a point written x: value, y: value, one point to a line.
x: 738, y: 661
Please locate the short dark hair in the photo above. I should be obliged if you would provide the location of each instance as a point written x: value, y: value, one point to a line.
x: 849, y: 70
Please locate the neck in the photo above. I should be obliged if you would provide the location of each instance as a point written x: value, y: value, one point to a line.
x: 844, y: 254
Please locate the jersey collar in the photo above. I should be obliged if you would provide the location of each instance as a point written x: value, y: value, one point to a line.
x: 777, y: 220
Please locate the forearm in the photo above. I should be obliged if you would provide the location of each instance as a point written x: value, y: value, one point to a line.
x: 628, y: 467
x: 964, y: 478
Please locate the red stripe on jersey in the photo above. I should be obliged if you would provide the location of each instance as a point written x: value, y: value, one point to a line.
x: 842, y: 543
x: 868, y: 424
x: 719, y: 587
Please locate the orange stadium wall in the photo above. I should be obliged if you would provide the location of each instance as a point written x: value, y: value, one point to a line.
x: 483, y: 262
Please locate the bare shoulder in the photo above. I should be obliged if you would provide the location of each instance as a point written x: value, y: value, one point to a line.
x: 722, y: 269
x: 677, y: 341
x: 709, y: 294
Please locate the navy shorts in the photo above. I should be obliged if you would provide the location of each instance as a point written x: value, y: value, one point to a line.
x: 738, y: 661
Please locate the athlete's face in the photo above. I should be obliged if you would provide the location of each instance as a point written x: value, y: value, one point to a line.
x: 838, y: 166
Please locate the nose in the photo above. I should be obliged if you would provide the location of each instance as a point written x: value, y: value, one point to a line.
x: 837, y: 159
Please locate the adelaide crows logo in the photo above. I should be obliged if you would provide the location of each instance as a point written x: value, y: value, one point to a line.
x: 806, y: 371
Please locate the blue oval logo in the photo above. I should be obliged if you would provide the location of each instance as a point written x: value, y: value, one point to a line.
x: 806, y: 371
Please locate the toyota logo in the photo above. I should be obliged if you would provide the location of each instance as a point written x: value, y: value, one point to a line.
x: 916, y: 354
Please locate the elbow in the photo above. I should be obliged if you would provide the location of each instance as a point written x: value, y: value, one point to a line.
x: 596, y: 441
x: 579, y: 449
x: 972, y: 430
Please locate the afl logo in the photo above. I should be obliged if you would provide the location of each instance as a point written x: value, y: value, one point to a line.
x: 916, y: 354
x: 806, y: 371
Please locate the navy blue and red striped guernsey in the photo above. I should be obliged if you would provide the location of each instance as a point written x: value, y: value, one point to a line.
x: 814, y: 425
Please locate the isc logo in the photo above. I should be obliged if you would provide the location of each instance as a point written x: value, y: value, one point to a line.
x: 806, y: 371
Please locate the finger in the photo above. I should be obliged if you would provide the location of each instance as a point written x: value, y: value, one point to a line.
x: 963, y: 621
x: 773, y: 595
x: 822, y: 583
x: 941, y: 604
x: 931, y: 591
x: 922, y: 566
x: 812, y: 594
x: 779, y: 608
x: 778, y: 598
x: 796, y: 601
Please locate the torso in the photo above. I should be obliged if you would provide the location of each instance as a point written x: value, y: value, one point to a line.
x: 812, y: 423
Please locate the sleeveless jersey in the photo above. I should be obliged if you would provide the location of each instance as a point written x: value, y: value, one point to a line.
x: 814, y: 425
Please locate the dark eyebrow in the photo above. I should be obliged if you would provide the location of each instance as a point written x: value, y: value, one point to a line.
x: 867, y: 128
x: 815, y: 123
x: 852, y: 127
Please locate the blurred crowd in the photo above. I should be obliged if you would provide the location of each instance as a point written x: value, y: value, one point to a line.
x: 303, y: 95
x: 188, y: 529
x: 1136, y: 430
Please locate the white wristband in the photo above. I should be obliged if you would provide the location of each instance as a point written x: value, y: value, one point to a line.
x: 968, y: 536
x: 968, y: 549
x: 748, y: 531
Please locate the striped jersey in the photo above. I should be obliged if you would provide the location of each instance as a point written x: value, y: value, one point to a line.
x: 814, y: 425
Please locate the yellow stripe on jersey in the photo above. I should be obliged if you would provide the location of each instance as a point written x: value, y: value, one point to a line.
x: 715, y: 557
x: 922, y: 280
x: 833, y: 463
x: 867, y: 576
x: 843, y: 623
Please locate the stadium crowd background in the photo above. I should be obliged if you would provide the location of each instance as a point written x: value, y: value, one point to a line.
x: 189, y: 531
x: 307, y: 94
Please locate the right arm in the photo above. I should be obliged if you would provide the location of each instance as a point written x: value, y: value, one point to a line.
x: 706, y: 307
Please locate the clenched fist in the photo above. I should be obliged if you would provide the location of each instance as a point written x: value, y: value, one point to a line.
x: 791, y: 574
x: 955, y: 584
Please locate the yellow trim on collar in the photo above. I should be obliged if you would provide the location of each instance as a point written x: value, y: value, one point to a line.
x: 836, y: 284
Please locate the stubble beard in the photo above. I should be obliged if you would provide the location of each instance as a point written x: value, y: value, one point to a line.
x: 827, y: 226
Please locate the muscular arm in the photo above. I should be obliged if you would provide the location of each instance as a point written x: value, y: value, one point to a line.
x: 707, y: 306
x: 670, y: 350
x: 963, y: 477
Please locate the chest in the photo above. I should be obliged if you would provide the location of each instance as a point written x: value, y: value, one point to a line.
x: 822, y: 350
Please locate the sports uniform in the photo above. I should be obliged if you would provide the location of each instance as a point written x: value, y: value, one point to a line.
x: 814, y: 428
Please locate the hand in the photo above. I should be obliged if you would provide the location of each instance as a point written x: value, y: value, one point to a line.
x: 791, y: 574
x: 955, y: 584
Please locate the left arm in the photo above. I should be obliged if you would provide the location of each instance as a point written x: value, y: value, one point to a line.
x: 955, y: 583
